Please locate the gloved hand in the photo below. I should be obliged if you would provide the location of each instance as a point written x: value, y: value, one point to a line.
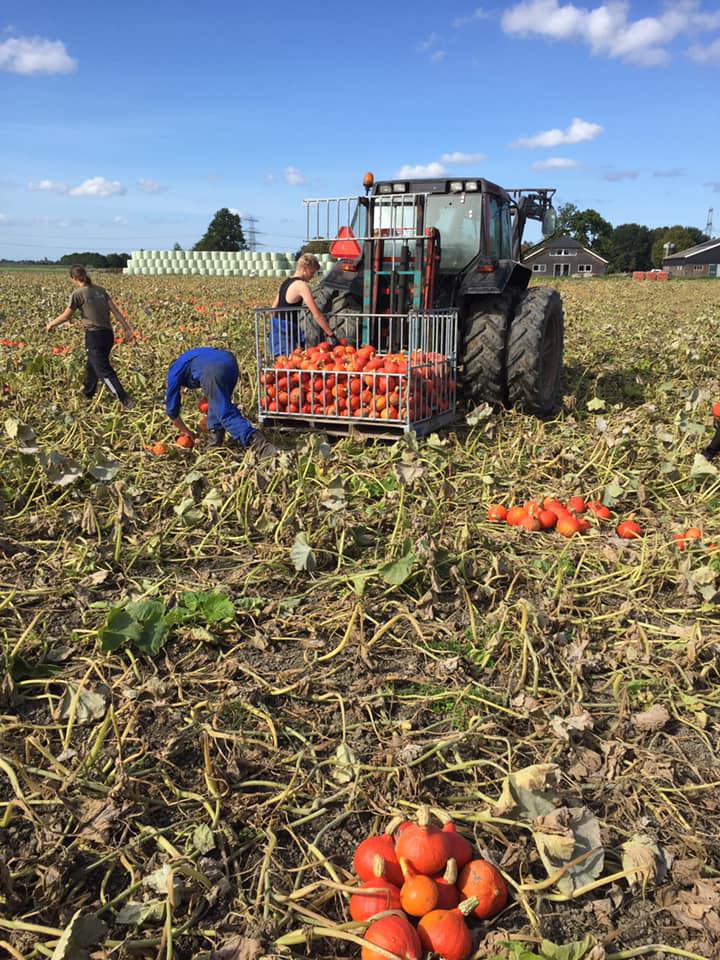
x: 333, y: 340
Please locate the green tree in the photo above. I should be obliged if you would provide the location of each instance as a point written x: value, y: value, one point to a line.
x: 116, y: 261
x: 224, y: 232
x: 565, y: 215
x: 630, y: 248
x: 588, y: 227
x: 86, y: 259
x: 176, y: 246
x: 680, y: 237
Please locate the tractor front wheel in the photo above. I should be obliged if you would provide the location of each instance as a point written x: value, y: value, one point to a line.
x: 535, y: 352
x: 483, y: 348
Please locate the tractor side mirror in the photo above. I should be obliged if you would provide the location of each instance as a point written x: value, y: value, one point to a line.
x: 549, y: 222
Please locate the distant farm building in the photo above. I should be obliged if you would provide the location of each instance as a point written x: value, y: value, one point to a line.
x: 565, y: 257
x: 702, y: 260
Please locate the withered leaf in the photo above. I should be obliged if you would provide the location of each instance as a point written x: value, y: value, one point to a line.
x: 653, y: 719
x: 642, y: 856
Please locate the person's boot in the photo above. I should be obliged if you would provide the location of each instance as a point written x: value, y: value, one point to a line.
x: 216, y: 438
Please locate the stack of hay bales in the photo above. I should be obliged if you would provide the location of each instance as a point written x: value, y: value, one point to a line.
x: 244, y: 263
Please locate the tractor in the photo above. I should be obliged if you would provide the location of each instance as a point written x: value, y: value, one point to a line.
x: 455, y: 244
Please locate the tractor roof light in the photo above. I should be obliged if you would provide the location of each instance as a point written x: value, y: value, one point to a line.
x: 385, y: 188
x: 472, y: 185
x: 368, y: 180
x: 399, y: 188
x: 456, y: 186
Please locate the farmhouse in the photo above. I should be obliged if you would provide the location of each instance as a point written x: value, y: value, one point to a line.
x: 565, y: 257
x: 702, y: 260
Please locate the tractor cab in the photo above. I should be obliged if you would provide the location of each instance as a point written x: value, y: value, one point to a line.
x: 419, y: 244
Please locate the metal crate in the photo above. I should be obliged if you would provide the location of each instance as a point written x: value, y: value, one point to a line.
x: 393, y: 374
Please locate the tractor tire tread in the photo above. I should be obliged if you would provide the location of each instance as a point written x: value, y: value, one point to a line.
x: 531, y: 388
x: 483, y: 348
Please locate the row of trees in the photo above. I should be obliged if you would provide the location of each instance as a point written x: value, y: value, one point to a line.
x: 627, y: 247
x: 108, y: 261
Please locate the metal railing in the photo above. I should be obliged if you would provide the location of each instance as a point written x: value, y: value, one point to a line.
x: 392, y: 373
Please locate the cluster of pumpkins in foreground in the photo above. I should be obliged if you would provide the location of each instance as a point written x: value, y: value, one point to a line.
x: 567, y: 518
x: 421, y: 887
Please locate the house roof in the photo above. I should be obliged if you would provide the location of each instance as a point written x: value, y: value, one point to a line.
x: 693, y: 251
x: 561, y: 243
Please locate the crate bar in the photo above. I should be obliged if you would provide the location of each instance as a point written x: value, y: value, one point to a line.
x: 344, y: 209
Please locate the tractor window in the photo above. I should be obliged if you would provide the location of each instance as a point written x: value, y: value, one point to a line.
x: 458, y: 218
x: 500, y: 224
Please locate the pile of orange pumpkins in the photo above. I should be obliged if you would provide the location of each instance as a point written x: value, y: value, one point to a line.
x: 420, y: 886
x: 566, y: 518
x: 348, y: 381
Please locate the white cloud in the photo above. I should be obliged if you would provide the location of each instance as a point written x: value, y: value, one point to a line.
x: 294, y: 177
x: 432, y: 46
x: 554, y: 163
x: 578, y: 131
x: 27, y: 55
x: 4, y: 218
x: 709, y: 54
x: 607, y: 29
x: 463, y: 159
x: 614, y: 176
x: 150, y: 186
x: 424, y: 46
x: 477, y: 14
x: 48, y: 186
x: 675, y: 172
x: 269, y: 178
x: 121, y: 221
x: 98, y: 187
x: 433, y: 169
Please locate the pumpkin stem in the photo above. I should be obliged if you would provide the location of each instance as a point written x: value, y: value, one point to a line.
x: 407, y: 870
x: 451, y: 871
x: 393, y: 825
x: 378, y: 867
x: 442, y: 815
x: 467, y: 906
x: 423, y: 815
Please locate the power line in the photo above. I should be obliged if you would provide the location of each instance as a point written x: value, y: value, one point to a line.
x: 251, y: 238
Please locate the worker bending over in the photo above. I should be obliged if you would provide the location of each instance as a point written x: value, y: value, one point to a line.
x: 215, y: 372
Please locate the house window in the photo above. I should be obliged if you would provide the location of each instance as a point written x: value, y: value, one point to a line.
x: 539, y: 267
x: 584, y: 268
x: 561, y: 252
x: 697, y: 267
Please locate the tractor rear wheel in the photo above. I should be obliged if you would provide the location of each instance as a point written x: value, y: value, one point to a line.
x: 483, y: 349
x: 535, y: 352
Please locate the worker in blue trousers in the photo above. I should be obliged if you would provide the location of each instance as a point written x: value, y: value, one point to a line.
x: 215, y: 372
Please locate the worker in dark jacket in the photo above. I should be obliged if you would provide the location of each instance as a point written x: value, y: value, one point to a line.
x: 713, y: 448
x: 215, y: 372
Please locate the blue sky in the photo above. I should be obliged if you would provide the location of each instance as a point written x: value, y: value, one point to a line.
x: 127, y: 127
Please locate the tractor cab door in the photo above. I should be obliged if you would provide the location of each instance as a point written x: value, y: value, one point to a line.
x: 499, y: 232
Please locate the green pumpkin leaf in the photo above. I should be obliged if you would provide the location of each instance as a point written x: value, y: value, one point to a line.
x: 398, y: 571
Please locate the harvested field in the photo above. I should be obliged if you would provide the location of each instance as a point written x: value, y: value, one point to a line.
x: 217, y: 679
